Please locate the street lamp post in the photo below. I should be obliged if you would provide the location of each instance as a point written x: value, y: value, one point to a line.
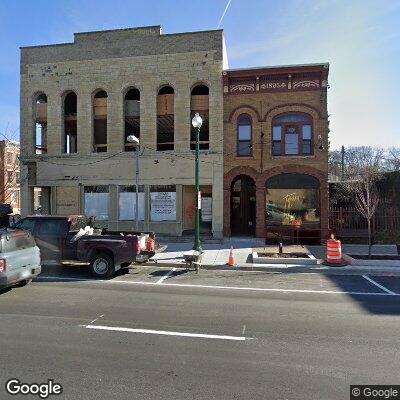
x: 197, y: 122
x: 135, y: 141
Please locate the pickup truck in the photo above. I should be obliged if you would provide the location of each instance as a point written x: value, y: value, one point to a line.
x: 73, y: 238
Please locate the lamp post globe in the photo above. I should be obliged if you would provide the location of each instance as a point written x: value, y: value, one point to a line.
x: 133, y: 139
x: 197, y: 121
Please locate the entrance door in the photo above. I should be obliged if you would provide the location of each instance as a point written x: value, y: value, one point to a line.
x: 243, y: 206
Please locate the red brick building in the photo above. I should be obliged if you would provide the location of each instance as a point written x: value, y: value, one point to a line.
x: 9, y: 174
x: 276, y: 150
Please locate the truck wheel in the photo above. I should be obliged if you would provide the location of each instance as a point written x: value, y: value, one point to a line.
x: 102, y: 265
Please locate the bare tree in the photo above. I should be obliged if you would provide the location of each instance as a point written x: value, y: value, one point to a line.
x: 392, y: 160
x: 364, y: 166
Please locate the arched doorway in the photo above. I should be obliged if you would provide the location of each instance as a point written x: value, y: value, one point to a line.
x: 243, y: 206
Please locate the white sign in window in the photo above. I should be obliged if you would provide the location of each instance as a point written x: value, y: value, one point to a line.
x: 127, y: 206
x: 163, y: 206
x: 206, y: 209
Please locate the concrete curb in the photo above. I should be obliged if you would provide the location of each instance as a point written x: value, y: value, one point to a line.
x: 347, y: 270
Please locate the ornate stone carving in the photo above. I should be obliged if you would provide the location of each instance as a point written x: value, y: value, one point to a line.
x: 305, y: 84
x: 243, y: 87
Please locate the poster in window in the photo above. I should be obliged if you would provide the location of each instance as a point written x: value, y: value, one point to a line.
x: 206, y: 209
x: 163, y: 206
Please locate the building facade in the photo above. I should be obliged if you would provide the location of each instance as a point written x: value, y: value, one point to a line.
x: 79, y: 103
x: 276, y: 151
x: 10, y: 174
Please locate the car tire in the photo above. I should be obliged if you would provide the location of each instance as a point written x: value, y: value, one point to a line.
x: 102, y: 265
x: 23, y: 283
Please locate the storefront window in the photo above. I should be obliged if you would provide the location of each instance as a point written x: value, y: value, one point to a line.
x: 96, y: 202
x: 163, y: 203
x: 127, y: 203
x: 293, y: 200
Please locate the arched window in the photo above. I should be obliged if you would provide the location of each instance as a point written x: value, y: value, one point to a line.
x: 100, y: 122
x: 165, y: 119
x: 292, y: 135
x: 199, y: 103
x: 132, y: 116
x: 40, y: 119
x: 244, y: 136
x: 70, y: 123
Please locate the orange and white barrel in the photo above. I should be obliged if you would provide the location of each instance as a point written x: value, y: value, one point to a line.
x: 334, y: 251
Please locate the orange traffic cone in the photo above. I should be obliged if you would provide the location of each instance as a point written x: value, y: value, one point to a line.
x: 231, y: 261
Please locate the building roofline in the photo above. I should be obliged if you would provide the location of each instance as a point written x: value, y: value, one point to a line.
x: 323, y: 65
x: 119, y: 30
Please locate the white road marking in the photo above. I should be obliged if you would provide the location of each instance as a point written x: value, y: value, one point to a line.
x: 167, y: 333
x: 168, y: 274
x: 221, y: 287
x: 257, y: 289
x: 244, y: 329
x: 101, y: 316
x: 378, y: 285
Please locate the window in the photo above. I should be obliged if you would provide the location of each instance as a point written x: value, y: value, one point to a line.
x: 163, y: 203
x: 127, y: 203
x: 292, y: 135
x: 293, y: 199
x: 49, y: 227
x: 165, y: 119
x: 10, y: 157
x: 100, y: 122
x: 132, y: 116
x: 96, y: 202
x: 199, y: 103
x: 70, y: 123
x: 26, y: 224
x: 40, y: 120
x: 244, y: 136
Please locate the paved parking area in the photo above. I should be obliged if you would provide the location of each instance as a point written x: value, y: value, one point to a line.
x: 239, y: 280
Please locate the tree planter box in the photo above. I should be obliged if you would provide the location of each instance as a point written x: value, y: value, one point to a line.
x: 307, y: 259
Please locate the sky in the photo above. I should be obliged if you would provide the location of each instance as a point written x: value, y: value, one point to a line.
x: 359, y: 38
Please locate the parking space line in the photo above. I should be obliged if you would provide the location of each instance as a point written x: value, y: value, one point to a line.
x: 167, y: 275
x: 378, y: 285
x: 166, y: 333
x: 256, y: 289
x: 386, y: 292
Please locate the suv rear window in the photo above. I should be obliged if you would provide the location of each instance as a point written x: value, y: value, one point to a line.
x: 16, y: 240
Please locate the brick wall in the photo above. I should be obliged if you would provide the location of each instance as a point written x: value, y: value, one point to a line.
x: 263, y: 107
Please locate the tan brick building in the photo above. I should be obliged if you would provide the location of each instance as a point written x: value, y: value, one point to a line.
x: 80, y: 101
x: 276, y: 150
x: 10, y: 174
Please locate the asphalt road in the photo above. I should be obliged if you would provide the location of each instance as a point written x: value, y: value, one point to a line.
x: 161, y: 334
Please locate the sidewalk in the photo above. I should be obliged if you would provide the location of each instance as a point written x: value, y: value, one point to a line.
x: 215, y: 257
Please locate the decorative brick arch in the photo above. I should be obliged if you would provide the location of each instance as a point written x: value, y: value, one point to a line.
x: 229, y: 177
x: 292, y: 107
x: 243, y: 109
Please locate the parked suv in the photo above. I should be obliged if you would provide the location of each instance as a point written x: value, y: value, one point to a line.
x: 19, y: 258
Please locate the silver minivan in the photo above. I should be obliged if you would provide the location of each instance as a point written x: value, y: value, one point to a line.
x: 19, y: 258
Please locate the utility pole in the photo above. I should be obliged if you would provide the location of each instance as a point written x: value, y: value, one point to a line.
x: 197, y: 122
x: 135, y: 141
x: 342, y: 177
